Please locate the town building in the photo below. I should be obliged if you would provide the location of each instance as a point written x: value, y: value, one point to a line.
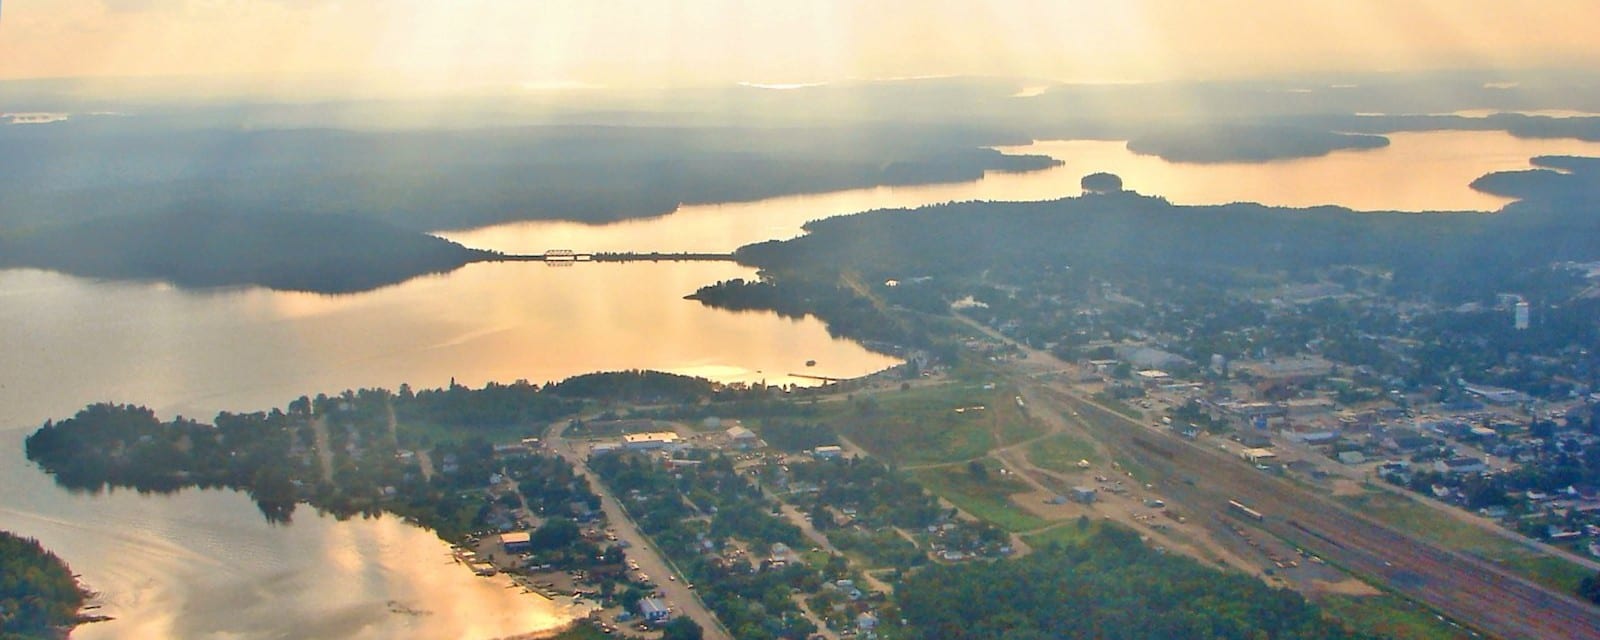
x: 516, y: 541
x: 650, y: 441
x: 654, y: 610
x: 827, y: 452
x: 1460, y: 465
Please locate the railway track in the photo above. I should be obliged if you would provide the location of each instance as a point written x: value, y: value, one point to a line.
x: 1468, y: 589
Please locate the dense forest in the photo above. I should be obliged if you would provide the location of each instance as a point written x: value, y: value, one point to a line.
x: 39, y: 598
x: 321, y: 253
x: 1111, y: 587
x: 368, y: 438
x: 1235, y: 143
x: 1120, y: 235
x: 454, y: 179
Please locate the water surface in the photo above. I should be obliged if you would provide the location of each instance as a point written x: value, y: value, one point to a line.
x: 205, y: 564
x: 1422, y: 171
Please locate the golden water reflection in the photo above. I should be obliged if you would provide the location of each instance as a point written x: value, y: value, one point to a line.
x: 1421, y: 171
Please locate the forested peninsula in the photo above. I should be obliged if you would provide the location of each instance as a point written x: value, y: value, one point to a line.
x: 432, y: 180
x: 1118, y: 235
x: 39, y: 597
x: 294, y: 252
x: 352, y: 453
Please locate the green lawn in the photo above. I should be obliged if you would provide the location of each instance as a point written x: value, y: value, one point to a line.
x: 1062, y: 452
x: 1544, y: 569
x: 989, y: 499
x: 923, y: 426
x: 1066, y: 533
x: 1388, y: 616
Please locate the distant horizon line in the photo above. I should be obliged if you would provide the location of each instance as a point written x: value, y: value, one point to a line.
x: 398, y: 79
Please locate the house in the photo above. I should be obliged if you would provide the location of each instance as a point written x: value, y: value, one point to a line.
x: 827, y: 452
x: 1085, y: 495
x: 1254, y: 440
x: 1408, y: 441
x: 1352, y: 457
x: 1259, y: 455
x: 741, y: 435
x: 1306, y: 407
x: 1460, y: 465
x: 1316, y: 437
x: 516, y: 541
x: 866, y: 621
x: 511, y: 450
x: 654, y: 610
x: 1153, y: 377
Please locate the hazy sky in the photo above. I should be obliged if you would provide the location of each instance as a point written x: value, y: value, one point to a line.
x: 656, y: 42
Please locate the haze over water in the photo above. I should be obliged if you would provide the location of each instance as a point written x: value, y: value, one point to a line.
x: 206, y: 564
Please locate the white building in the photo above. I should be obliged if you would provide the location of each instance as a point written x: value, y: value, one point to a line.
x: 827, y: 452
x: 650, y: 441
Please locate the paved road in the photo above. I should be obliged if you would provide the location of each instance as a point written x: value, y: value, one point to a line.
x: 640, y: 550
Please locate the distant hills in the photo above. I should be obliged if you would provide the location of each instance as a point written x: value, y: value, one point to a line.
x: 1233, y: 143
x: 445, y: 179
x: 298, y: 252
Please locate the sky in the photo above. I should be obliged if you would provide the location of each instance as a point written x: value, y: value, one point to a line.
x: 463, y: 44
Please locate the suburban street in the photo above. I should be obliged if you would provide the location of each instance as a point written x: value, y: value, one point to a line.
x: 677, y: 593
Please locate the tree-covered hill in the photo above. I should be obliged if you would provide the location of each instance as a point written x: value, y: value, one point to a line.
x: 322, y: 253
x: 39, y: 598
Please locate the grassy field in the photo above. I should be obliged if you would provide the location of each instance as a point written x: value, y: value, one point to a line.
x: 1061, y: 453
x: 1424, y: 522
x: 1388, y: 616
x: 1066, y: 533
x: 1012, y: 423
x: 932, y: 424
x: 987, y: 499
x: 1555, y: 572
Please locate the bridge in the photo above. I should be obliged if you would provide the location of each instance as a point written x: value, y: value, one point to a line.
x: 823, y: 379
x: 568, y: 257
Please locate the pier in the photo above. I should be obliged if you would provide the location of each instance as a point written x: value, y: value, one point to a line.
x: 824, y: 379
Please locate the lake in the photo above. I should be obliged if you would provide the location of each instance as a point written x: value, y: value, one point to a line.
x: 205, y: 564
x: 1416, y: 172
